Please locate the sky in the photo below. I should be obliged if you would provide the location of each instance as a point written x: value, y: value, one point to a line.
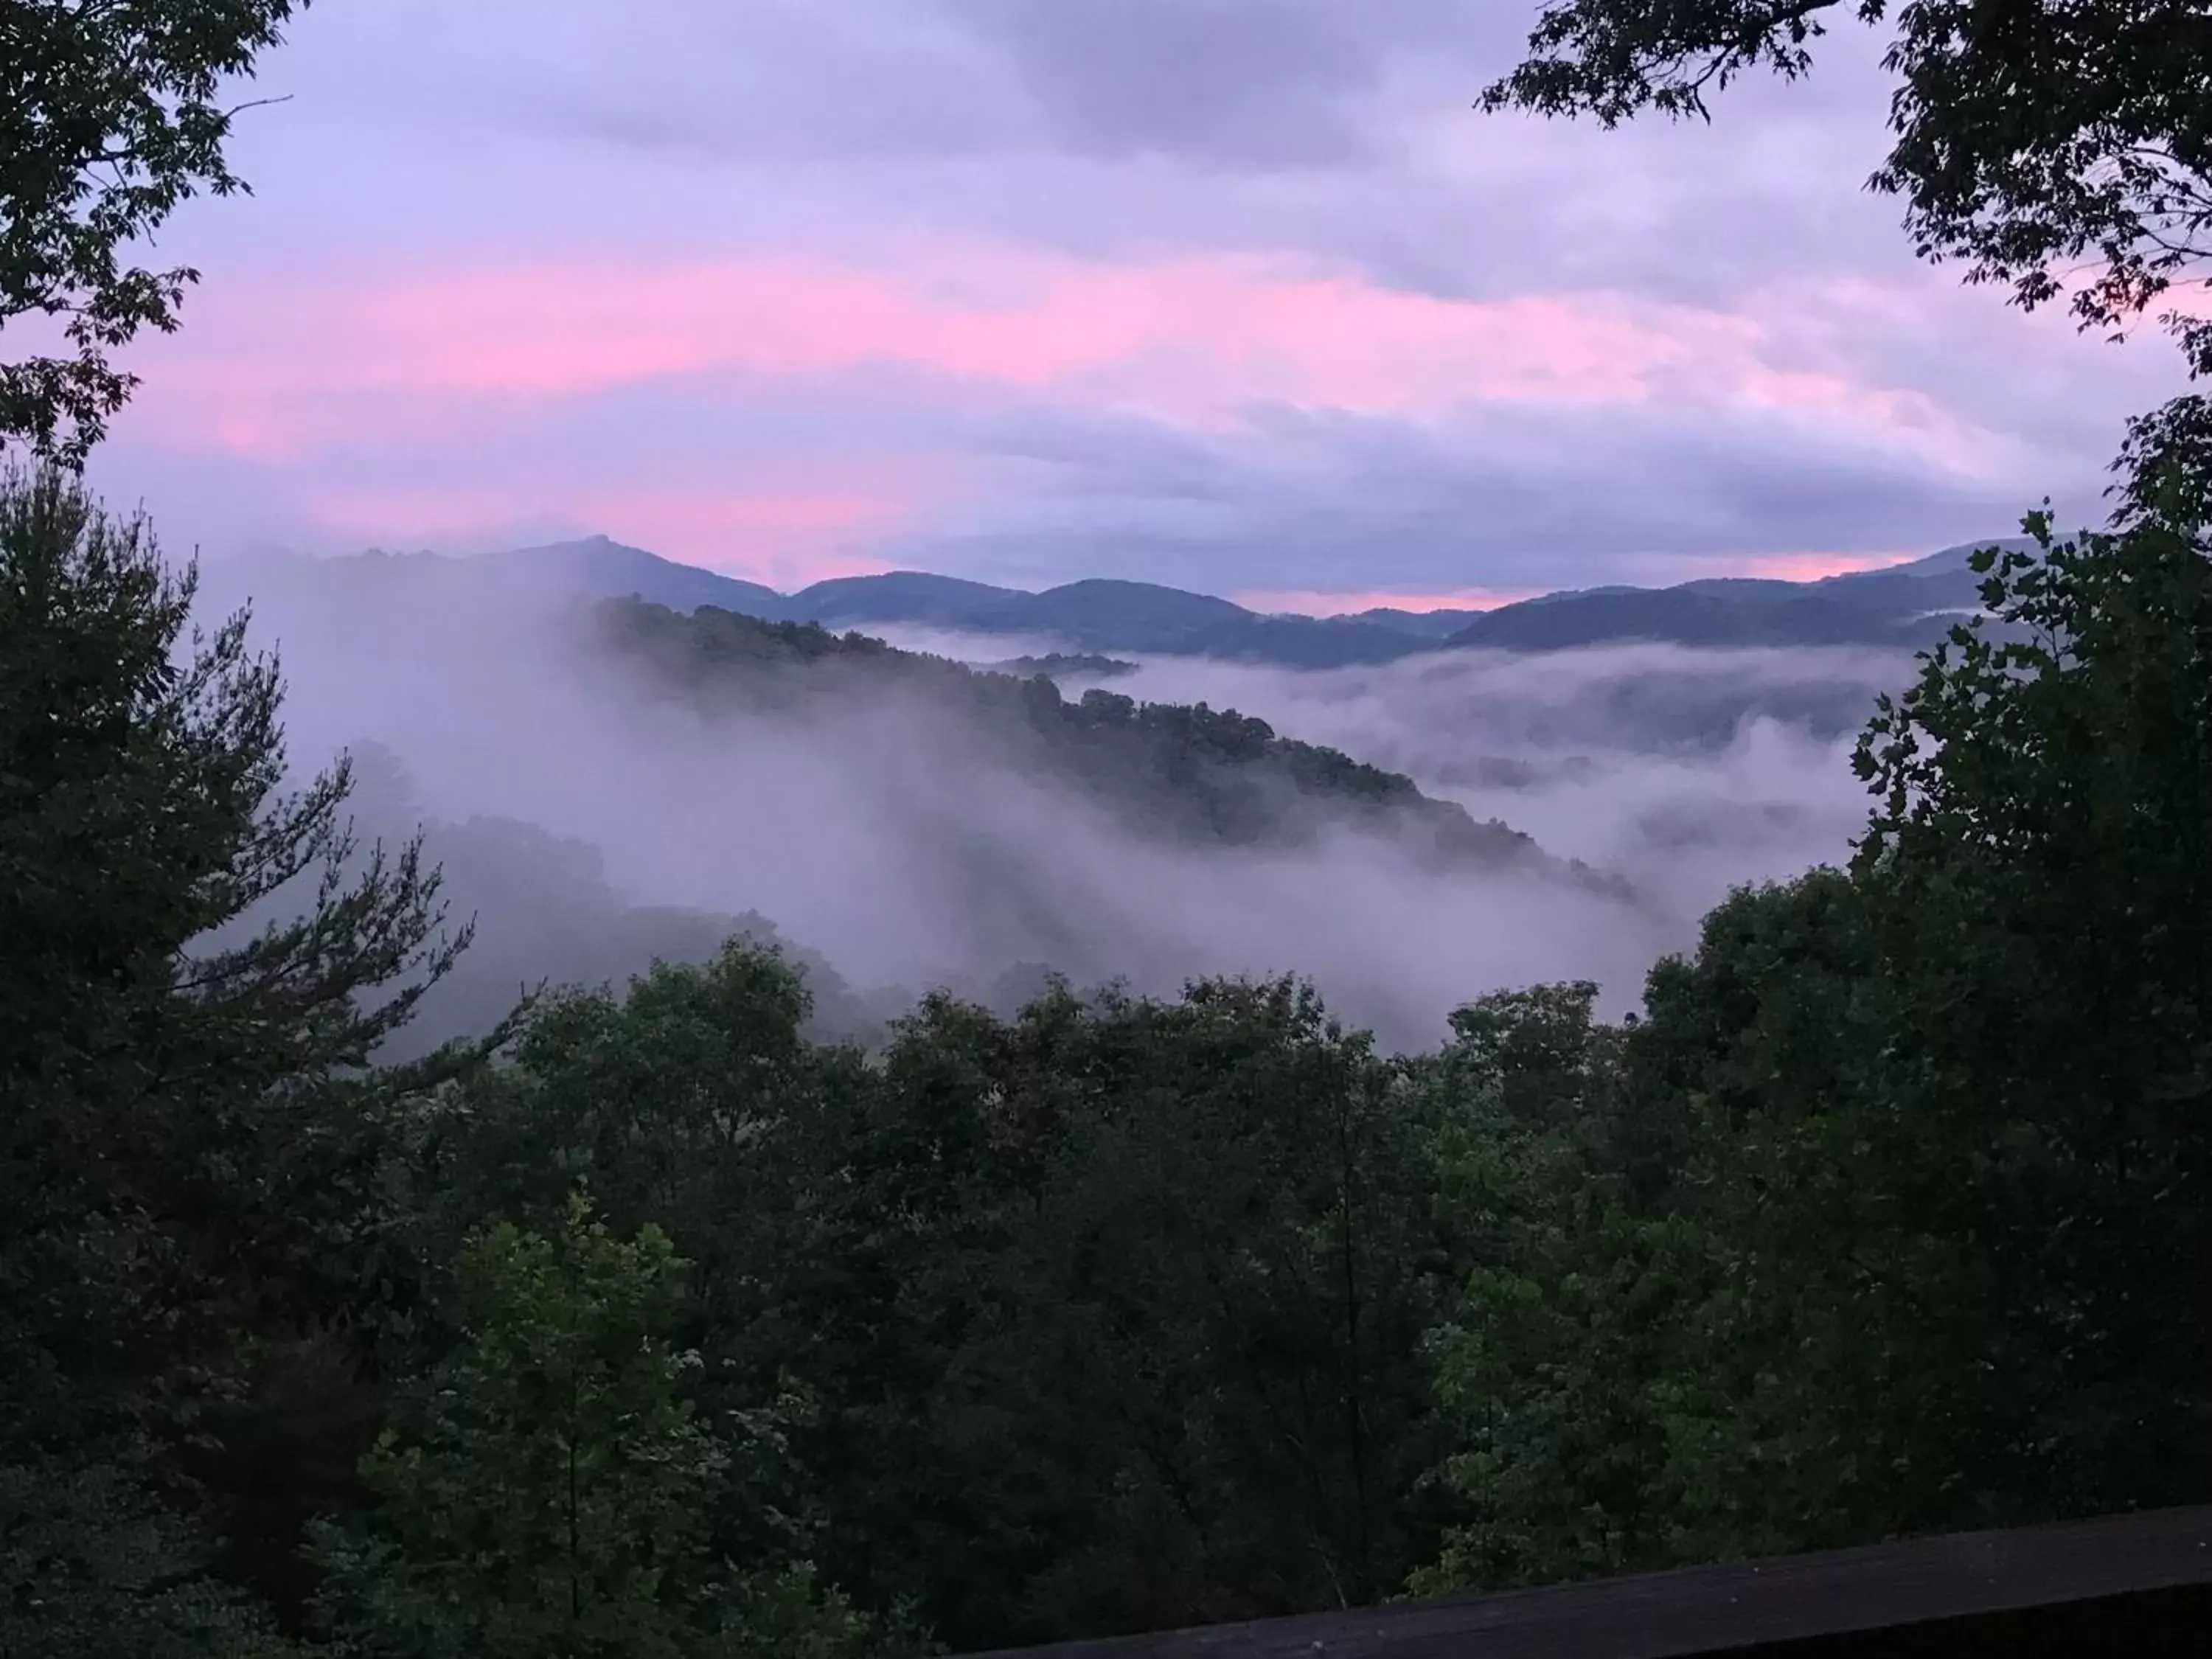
x: 1239, y: 296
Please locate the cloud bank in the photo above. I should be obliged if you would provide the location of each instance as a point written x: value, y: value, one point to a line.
x: 1687, y: 771
x: 888, y: 836
x: 1236, y: 295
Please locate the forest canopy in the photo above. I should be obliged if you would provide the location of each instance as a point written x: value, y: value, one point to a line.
x: 1887, y: 1215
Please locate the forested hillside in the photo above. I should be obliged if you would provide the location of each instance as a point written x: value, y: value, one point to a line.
x: 1168, y: 771
x: 544, y: 912
x: 615, y: 783
x: 1887, y: 1215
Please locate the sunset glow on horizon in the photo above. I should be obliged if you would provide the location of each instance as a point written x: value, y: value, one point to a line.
x: 1817, y: 567
x: 1235, y: 347
x: 1326, y: 602
x: 276, y: 372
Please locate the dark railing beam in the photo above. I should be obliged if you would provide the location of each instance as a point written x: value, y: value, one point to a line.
x: 2139, y: 1584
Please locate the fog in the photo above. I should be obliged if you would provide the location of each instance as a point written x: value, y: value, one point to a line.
x: 884, y: 839
x: 1687, y: 771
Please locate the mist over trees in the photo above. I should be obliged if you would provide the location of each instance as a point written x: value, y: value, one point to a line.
x: 641, y: 779
x: 662, y: 1320
x: 1887, y: 1215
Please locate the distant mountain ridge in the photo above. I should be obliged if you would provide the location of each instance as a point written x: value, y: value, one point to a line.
x: 1186, y: 775
x: 1900, y: 605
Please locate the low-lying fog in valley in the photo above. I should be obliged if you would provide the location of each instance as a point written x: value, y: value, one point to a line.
x: 884, y: 839
x: 1688, y: 771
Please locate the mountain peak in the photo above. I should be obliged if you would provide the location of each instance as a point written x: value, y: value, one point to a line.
x: 1110, y: 615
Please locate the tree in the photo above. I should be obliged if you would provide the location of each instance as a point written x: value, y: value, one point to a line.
x: 2039, y: 867
x: 194, y: 1147
x: 142, y: 809
x: 1953, y: 1145
x: 1583, y: 1269
x: 110, y: 116
x: 693, y: 1101
x: 91, y: 1566
x: 175, y: 1114
x: 1892, y: 1214
x: 1122, y: 1306
x: 2030, y: 138
x: 1109, y: 1316
x: 553, y: 1497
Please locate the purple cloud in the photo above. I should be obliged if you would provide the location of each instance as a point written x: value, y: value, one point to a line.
x: 1236, y: 293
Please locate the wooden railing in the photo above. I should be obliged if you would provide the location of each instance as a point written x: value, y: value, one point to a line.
x: 2133, y: 1585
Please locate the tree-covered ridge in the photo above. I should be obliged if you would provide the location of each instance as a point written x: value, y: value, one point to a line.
x: 1903, y: 605
x: 1057, y: 665
x: 1173, y: 769
x: 546, y: 913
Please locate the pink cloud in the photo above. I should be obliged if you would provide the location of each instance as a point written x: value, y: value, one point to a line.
x: 1778, y: 567
x: 275, y: 371
x: 1812, y: 567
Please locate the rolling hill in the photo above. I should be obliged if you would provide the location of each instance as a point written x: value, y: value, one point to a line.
x: 1903, y: 604
x: 1179, y: 772
x: 914, y: 820
x: 1183, y: 774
